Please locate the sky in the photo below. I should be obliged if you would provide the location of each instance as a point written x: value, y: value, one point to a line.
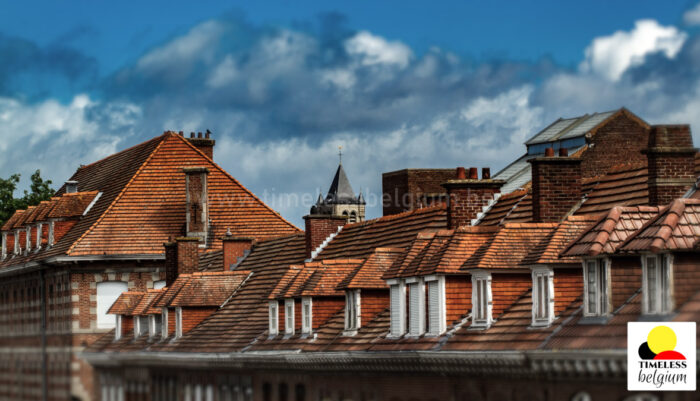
x: 281, y: 84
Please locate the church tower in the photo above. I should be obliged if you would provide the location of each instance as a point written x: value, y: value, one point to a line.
x: 341, y: 199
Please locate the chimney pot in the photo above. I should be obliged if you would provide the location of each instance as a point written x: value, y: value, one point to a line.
x: 182, y: 133
x: 563, y: 152
x: 473, y: 173
x: 486, y: 173
x: 549, y: 152
x: 191, y: 134
x: 199, y: 134
x: 461, y: 173
x: 71, y: 187
x: 207, y: 134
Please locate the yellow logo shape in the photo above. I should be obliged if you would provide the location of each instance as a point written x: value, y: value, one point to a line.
x: 660, y: 339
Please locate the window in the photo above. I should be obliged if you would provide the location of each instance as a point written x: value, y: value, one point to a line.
x: 178, y: 322
x: 397, y: 293
x: 273, y: 315
x: 107, y: 293
x: 596, y: 287
x: 353, y: 217
x: 140, y: 325
x: 352, y: 311
x: 16, y: 248
x: 435, y: 285
x: 300, y: 392
x: 283, y: 392
x: 39, y: 228
x: 164, y: 323
x: 4, y: 245
x: 28, y: 238
x: 157, y: 285
x: 657, y: 281
x: 51, y: 230
x: 542, y: 296
x: 306, y: 315
x: 481, y: 299
x: 154, y: 325
x: 416, y: 307
x: 118, y: 331
x: 289, y: 316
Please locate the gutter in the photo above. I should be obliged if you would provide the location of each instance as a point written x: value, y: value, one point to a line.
x: 43, y: 263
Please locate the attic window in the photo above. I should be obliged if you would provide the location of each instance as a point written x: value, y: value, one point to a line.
x: 656, y: 276
x: 164, y: 323
x: 352, y: 311
x: 4, y: 245
x: 118, y: 331
x: 542, y: 296
x: 481, y: 299
x: 397, y: 293
x: 416, y: 307
x: 273, y: 313
x: 306, y: 315
x: 596, y: 287
x: 178, y: 322
x: 154, y: 325
x: 289, y: 316
x: 435, y: 286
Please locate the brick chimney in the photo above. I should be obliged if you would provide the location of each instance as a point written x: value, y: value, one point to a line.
x: 181, y: 257
x: 235, y: 248
x: 319, y: 227
x: 467, y: 195
x: 556, y: 185
x: 671, y: 158
x: 197, y: 210
x: 203, y: 143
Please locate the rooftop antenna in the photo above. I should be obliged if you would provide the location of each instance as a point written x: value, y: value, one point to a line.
x: 340, y: 154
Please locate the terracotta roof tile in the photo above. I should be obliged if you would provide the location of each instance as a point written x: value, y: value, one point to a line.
x: 369, y: 274
x: 547, y: 251
x: 623, y: 185
x: 143, y: 307
x: 319, y: 279
x: 504, y: 206
x: 610, y: 231
x: 126, y: 302
x: 10, y: 223
x: 72, y: 205
x: 676, y: 227
x: 208, y: 288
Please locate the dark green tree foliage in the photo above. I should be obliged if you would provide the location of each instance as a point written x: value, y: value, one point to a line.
x: 39, y: 190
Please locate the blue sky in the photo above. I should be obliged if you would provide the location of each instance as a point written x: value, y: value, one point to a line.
x: 283, y: 83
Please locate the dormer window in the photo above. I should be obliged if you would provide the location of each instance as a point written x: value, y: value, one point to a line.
x: 154, y: 325
x: 164, y: 323
x: 416, y: 306
x: 482, y: 299
x: 352, y: 311
x: 289, y: 316
x: 542, y: 296
x: 178, y: 322
x: 18, y: 250
x: 435, y: 286
x: 273, y: 313
x: 596, y: 287
x: 39, y: 229
x: 4, y: 245
x: 656, y: 277
x: 397, y: 308
x: 306, y: 315
x: 51, y: 230
x: 140, y: 326
x: 118, y: 331
x: 28, y: 239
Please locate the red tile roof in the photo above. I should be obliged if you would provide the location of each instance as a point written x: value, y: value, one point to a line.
x: 208, y: 288
x: 143, y: 307
x: 505, y: 206
x: 369, y: 274
x: 547, y: 252
x: 610, y: 231
x: 126, y: 302
x: 72, y: 205
x: 676, y: 227
x: 324, y: 279
x: 624, y: 185
x: 10, y: 223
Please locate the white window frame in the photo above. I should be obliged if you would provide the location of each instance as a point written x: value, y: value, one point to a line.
x: 178, y: 322
x: 137, y: 326
x: 436, y: 324
x: 273, y: 317
x: 118, y: 329
x: 17, y: 249
x: 289, y: 316
x: 353, y: 319
x: 28, y: 239
x: 482, y: 299
x: 153, y: 325
x: 39, y: 229
x: 542, y: 296
x: 164, y: 323
x: 602, y: 305
x: 158, y: 284
x: 662, y: 288
x: 307, y: 315
x: 52, y: 225
x: 397, y: 292
x: 416, y: 306
x: 4, y: 245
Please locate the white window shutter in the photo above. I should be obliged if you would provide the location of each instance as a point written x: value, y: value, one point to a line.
x: 289, y: 316
x: 398, y: 309
x: 416, y: 309
x: 433, y: 308
x: 273, y: 316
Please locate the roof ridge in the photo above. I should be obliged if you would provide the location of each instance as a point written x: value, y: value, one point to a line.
x: 123, y: 150
x: 398, y: 215
x: 119, y: 196
x: 245, y: 189
x: 667, y: 224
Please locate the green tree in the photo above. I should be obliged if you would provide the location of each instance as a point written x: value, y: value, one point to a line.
x: 39, y: 190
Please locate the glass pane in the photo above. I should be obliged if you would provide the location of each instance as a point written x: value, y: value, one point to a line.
x: 663, y: 285
x: 602, y: 288
x: 591, y: 274
x: 479, y: 301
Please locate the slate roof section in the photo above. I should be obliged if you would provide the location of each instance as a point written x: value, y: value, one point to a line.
x: 575, y: 127
x: 369, y: 274
x: 610, y: 231
x: 547, y: 251
x: 340, y: 190
x: 675, y: 228
x: 358, y: 240
x: 510, y: 245
x: 126, y: 302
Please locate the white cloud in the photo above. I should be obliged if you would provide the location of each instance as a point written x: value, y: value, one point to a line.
x: 610, y: 56
x: 692, y: 16
x: 372, y: 50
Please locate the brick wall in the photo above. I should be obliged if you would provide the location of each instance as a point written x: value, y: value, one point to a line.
x: 187, y: 255
x: 506, y: 289
x: 61, y: 228
x: 686, y: 277
x: 458, y: 295
x: 556, y: 187
x: 324, y: 308
x: 191, y: 317
x: 234, y: 248
x: 625, y: 279
x: 404, y: 190
x: 467, y: 198
x: 568, y: 286
x: 372, y: 303
x: 621, y: 140
x: 318, y: 228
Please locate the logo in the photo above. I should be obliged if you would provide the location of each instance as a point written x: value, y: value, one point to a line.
x: 661, y: 356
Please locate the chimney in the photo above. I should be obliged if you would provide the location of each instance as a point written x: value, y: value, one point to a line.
x: 197, y: 211
x: 467, y: 197
x: 203, y: 143
x: 234, y: 249
x: 318, y: 228
x: 181, y: 257
x: 71, y: 187
x: 170, y: 262
x: 556, y: 185
x: 671, y: 158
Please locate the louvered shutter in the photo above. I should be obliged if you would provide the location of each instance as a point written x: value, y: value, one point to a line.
x: 433, y: 308
x: 414, y: 309
x: 396, y: 328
